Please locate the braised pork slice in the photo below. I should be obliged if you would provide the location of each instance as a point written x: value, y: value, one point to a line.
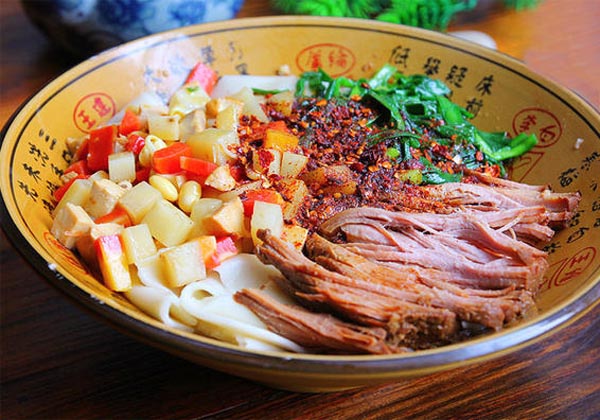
x: 316, y: 331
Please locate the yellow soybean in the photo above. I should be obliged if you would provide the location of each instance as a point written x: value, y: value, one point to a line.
x: 165, y: 187
x: 189, y: 193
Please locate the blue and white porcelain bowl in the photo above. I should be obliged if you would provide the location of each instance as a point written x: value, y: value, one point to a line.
x: 85, y: 27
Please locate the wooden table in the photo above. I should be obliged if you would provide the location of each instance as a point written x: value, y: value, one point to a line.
x: 58, y: 362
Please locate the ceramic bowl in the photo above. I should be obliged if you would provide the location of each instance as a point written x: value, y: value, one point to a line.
x: 501, y: 91
x: 85, y: 27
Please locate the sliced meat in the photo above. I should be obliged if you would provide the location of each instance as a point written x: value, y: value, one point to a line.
x: 317, y: 331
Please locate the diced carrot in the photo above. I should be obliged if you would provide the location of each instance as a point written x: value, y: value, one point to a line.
x: 131, y: 122
x: 167, y: 160
x: 142, y: 174
x: 197, y: 166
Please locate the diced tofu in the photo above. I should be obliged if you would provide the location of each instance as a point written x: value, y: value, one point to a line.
x: 228, y: 219
x: 85, y: 243
x: 113, y: 263
x: 183, y: 264
x: 221, y: 179
x: 77, y: 194
x: 266, y: 216
x: 138, y: 243
x: 104, y: 195
x: 292, y: 164
x: 139, y: 200
x: 70, y: 223
x: 168, y: 224
x: 294, y: 234
x: 121, y: 167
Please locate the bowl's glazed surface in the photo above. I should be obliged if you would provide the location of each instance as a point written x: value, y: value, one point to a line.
x: 500, y: 91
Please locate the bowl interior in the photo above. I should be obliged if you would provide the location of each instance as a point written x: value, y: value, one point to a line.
x: 500, y: 91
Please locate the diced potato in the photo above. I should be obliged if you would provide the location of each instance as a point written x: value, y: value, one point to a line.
x: 228, y: 219
x: 208, y: 246
x: 183, y: 264
x: 295, y: 235
x: 168, y: 224
x: 99, y: 175
x: 139, y: 200
x: 229, y: 118
x: 202, y: 209
x: 77, y: 194
x: 332, y: 179
x: 292, y: 164
x: 187, y: 99
x: 293, y: 191
x: 213, y: 145
x: 113, y: 263
x: 192, y: 123
x: 266, y: 216
x: 282, y: 102
x: 70, y: 222
x: 121, y: 167
x: 251, y: 104
x: 165, y: 127
x: 138, y: 243
x: 280, y: 140
x: 267, y: 161
x: 221, y: 179
x: 104, y: 195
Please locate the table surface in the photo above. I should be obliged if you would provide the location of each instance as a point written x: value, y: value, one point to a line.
x: 59, y: 362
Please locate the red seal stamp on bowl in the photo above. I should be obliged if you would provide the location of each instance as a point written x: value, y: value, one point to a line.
x: 93, y: 109
x: 540, y: 122
x: 334, y: 59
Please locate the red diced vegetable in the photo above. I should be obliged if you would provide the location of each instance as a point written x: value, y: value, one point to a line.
x: 82, y: 151
x: 113, y: 262
x: 135, y: 143
x: 197, y: 166
x: 204, y: 76
x: 225, y: 248
x: 100, y: 146
x: 131, y: 122
x: 142, y: 175
x: 265, y: 195
x: 80, y: 167
x: 167, y: 160
x: 60, y: 191
x: 118, y: 215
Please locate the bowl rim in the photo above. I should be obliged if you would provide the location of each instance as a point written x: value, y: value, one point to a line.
x: 478, y: 349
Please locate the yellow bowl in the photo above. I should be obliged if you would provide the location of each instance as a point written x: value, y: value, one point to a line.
x: 501, y: 91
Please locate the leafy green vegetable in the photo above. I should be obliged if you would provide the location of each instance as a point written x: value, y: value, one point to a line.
x: 417, y: 114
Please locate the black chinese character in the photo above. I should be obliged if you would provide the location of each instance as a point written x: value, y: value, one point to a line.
x: 456, y: 75
x: 432, y: 66
x: 578, y: 234
x: 484, y: 87
x: 399, y: 56
x: 567, y: 177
